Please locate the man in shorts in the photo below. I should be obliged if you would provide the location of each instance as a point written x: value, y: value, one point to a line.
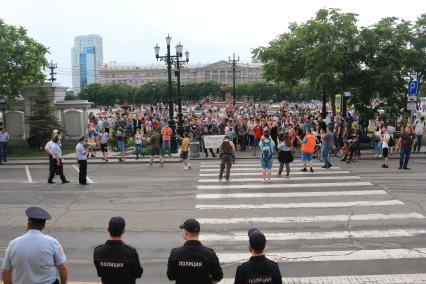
x: 307, y: 149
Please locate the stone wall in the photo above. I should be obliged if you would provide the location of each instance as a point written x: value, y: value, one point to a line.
x: 15, y: 124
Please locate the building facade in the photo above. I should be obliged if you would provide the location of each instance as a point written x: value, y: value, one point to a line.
x: 86, y: 58
x: 220, y: 71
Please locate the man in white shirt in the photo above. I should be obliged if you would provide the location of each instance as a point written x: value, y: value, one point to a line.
x: 48, y: 150
x: 57, y: 162
x: 81, y: 153
x: 35, y: 257
x: 419, y: 131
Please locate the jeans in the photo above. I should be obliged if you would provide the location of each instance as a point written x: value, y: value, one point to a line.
x: 404, y: 156
x: 138, y: 149
x: 418, y: 145
x: 166, y: 143
x: 325, y: 153
x: 226, y: 160
x: 377, y: 148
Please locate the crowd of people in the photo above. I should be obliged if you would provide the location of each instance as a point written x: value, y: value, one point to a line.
x: 269, y: 131
x: 253, y: 127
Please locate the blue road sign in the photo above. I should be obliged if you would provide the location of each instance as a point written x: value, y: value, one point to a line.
x: 412, y: 87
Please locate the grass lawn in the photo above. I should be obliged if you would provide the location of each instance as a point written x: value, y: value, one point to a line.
x: 28, y: 152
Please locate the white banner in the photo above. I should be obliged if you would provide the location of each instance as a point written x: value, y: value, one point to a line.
x: 213, y: 141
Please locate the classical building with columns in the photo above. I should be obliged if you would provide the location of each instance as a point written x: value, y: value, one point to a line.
x: 220, y: 71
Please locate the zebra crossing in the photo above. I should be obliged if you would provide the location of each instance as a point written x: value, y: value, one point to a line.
x: 328, y: 226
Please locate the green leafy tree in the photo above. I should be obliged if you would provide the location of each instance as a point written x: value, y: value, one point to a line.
x: 42, y: 122
x: 319, y: 51
x: 69, y: 96
x: 417, y: 51
x: 21, y: 60
x: 385, y: 54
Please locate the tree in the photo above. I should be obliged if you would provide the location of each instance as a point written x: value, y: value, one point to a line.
x: 319, y: 51
x: 69, y: 96
x: 42, y: 122
x: 21, y: 60
x: 417, y: 51
x: 385, y: 57
x: 198, y: 91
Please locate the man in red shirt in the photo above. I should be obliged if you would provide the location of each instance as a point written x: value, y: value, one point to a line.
x: 257, y: 131
x: 166, y: 133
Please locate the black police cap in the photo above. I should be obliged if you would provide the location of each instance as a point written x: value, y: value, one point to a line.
x: 191, y: 225
x: 37, y: 213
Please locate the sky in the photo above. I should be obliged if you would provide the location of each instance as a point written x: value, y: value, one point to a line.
x: 209, y: 30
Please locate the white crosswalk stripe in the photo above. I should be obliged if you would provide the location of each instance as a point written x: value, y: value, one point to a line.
x: 301, y: 205
x: 245, y: 201
x: 254, y: 165
x: 288, y: 194
x: 238, y: 169
x: 312, y: 219
x: 352, y: 279
x: 285, y: 185
x: 256, y: 174
x: 329, y: 255
x: 242, y: 236
x: 285, y: 179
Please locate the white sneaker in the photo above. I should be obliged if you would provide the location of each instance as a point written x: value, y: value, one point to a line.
x: 269, y: 180
x: 185, y: 168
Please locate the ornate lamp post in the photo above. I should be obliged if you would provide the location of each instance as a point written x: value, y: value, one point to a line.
x: 234, y: 67
x: 170, y: 60
x: 179, y: 63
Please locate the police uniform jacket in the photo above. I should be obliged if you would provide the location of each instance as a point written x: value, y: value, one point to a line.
x: 117, y: 262
x: 194, y: 263
x: 258, y: 269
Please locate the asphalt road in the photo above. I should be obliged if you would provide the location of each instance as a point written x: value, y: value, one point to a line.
x: 358, y: 220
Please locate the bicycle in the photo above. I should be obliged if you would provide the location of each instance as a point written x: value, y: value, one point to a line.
x: 347, y: 152
x: 339, y: 153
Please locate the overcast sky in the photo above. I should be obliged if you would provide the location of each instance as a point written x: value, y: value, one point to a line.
x: 210, y: 30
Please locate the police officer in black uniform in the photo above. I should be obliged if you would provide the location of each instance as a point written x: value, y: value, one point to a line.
x: 115, y: 261
x: 193, y: 263
x: 258, y: 269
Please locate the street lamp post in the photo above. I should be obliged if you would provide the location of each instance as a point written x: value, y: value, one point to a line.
x: 179, y: 63
x: 234, y: 67
x: 169, y: 59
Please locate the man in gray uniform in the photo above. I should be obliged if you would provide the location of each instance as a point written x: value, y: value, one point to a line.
x: 35, y: 257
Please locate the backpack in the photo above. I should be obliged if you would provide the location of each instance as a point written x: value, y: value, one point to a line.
x: 376, y: 138
x: 226, y: 147
x: 266, y: 150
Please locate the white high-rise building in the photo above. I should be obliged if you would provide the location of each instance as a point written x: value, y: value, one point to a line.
x: 87, y: 58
